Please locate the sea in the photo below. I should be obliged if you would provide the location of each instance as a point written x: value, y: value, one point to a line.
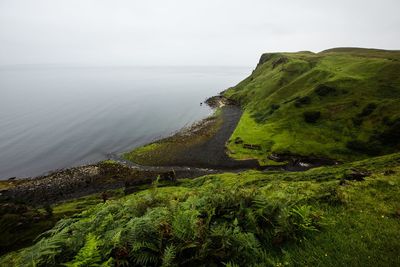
x: 59, y: 116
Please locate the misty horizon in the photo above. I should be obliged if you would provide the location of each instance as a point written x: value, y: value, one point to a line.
x: 187, y: 33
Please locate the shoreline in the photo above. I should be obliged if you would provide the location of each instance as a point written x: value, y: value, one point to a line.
x: 28, y: 201
x: 191, y: 152
x: 114, y: 173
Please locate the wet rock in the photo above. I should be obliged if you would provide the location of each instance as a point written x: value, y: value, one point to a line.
x: 219, y: 101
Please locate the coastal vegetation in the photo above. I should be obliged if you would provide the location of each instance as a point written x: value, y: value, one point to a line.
x: 341, y: 104
x: 220, y: 193
x: 328, y: 216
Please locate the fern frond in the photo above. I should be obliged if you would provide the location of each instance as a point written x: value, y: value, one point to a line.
x: 89, y: 254
x: 168, y: 256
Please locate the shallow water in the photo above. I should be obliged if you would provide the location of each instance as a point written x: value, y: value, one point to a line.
x: 55, y: 117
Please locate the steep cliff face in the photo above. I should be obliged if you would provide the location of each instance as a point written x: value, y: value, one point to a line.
x: 341, y: 103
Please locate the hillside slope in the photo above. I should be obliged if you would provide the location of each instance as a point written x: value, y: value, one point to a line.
x: 346, y: 215
x: 341, y: 103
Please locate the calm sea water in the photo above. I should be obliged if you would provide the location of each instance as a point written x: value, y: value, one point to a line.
x: 55, y: 117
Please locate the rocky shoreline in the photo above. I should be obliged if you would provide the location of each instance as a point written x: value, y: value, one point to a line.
x: 193, y: 159
x: 89, y: 179
x: 26, y: 204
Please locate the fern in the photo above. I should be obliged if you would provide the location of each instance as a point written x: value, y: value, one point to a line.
x: 168, y: 256
x: 185, y: 224
x: 44, y: 252
x: 109, y: 263
x: 145, y: 258
x: 208, y: 226
x: 89, y: 254
x: 302, y: 218
x: 231, y: 264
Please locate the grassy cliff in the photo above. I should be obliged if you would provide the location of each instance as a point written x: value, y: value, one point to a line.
x: 341, y: 103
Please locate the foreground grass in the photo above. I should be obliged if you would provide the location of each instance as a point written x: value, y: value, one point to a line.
x: 22, y: 223
x: 341, y: 104
x: 318, y: 217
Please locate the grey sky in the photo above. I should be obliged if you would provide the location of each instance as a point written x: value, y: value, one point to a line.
x: 185, y: 32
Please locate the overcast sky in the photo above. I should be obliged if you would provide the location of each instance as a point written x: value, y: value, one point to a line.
x: 185, y: 32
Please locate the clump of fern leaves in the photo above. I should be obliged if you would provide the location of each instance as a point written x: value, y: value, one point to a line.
x: 210, y: 225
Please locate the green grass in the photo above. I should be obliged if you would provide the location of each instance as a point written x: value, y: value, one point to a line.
x: 285, y: 86
x: 248, y: 219
x: 340, y: 103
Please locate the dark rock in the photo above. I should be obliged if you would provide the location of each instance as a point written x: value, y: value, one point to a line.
x: 298, y: 162
x: 238, y: 140
x: 275, y: 157
x: 215, y: 101
x: 356, y: 175
x: 266, y: 57
x: 252, y: 147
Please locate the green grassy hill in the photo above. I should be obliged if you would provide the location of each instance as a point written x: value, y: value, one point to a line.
x: 327, y: 216
x: 342, y: 103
